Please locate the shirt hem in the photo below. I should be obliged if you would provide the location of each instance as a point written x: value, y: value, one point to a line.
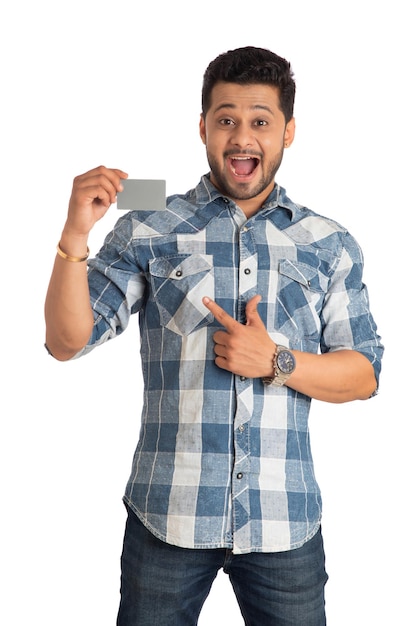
x: 221, y: 544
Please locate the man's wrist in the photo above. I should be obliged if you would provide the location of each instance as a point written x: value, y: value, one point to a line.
x: 284, y: 364
x: 71, y: 258
x: 73, y: 245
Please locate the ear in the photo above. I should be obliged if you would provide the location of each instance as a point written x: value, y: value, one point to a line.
x: 289, y: 133
x: 202, y: 129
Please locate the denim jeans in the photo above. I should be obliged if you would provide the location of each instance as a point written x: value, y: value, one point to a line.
x: 164, y: 585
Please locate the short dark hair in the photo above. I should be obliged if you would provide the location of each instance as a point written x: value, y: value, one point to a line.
x: 251, y: 66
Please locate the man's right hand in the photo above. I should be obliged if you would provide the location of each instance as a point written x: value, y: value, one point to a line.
x: 91, y: 197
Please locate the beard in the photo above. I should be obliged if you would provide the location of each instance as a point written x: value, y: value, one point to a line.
x: 243, y: 191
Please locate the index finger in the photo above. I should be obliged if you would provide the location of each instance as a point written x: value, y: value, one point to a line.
x: 101, y: 183
x: 219, y: 314
x: 112, y: 175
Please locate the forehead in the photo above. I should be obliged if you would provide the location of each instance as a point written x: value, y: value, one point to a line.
x: 234, y: 96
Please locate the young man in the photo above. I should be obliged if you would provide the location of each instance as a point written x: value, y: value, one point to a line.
x: 249, y: 305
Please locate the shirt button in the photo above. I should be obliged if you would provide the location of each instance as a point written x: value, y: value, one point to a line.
x: 179, y: 273
x: 242, y: 378
x: 241, y: 428
x: 240, y: 475
x: 247, y: 271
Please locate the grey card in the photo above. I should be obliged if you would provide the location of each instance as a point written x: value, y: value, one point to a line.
x: 142, y: 195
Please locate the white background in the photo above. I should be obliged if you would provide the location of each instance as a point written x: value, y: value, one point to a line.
x: 119, y: 83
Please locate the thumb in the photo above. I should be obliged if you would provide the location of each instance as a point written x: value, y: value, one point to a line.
x: 251, y: 313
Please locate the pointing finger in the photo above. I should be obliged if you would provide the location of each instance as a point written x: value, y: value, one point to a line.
x: 219, y: 314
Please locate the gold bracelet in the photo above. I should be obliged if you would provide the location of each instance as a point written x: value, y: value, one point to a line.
x: 73, y: 259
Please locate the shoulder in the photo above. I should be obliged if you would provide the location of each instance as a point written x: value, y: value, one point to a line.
x: 309, y: 226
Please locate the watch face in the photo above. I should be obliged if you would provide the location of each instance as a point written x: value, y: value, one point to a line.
x: 286, y: 362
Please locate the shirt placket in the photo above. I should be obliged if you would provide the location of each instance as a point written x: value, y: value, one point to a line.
x: 247, y: 284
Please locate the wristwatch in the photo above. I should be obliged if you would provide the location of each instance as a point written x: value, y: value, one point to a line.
x: 284, y: 364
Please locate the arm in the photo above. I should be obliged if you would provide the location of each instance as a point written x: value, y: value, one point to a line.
x: 68, y: 314
x: 338, y: 376
x: 248, y: 350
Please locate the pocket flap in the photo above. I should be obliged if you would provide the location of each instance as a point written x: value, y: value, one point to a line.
x: 302, y: 273
x: 180, y: 266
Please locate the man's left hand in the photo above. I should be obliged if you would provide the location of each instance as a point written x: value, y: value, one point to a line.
x: 243, y: 349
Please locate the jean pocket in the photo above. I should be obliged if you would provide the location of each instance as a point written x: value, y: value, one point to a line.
x: 179, y: 284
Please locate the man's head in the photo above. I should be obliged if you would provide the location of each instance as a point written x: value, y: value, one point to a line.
x: 247, y: 122
x: 249, y: 66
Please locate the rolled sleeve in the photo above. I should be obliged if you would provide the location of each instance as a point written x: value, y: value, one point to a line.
x: 348, y: 322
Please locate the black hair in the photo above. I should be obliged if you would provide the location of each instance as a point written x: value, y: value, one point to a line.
x: 251, y: 66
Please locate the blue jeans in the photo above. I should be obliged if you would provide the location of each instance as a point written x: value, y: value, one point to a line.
x: 163, y: 585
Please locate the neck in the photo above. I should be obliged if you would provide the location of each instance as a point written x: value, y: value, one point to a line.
x: 252, y: 206
x: 249, y: 206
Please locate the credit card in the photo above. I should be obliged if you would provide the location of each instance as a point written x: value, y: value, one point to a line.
x: 142, y: 195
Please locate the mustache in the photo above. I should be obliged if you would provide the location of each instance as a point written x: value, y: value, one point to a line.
x: 250, y: 153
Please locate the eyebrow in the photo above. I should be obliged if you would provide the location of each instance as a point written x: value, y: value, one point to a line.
x: 254, y: 107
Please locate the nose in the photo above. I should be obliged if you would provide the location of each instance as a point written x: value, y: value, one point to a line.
x: 242, y: 136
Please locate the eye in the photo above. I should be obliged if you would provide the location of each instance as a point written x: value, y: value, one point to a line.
x: 260, y: 123
x: 226, y: 121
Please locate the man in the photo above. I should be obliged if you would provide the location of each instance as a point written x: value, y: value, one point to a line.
x: 249, y: 305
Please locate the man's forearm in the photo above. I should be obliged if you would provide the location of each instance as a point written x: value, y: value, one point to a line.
x: 333, y: 377
x: 68, y: 314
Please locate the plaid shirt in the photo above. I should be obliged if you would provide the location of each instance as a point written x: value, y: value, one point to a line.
x: 224, y: 461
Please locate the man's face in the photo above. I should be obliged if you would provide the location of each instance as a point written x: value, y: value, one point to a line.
x: 245, y: 134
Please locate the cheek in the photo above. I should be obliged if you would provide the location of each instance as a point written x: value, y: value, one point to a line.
x: 215, y: 143
x: 273, y: 145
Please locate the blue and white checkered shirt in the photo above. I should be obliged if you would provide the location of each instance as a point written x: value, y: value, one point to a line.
x: 224, y: 461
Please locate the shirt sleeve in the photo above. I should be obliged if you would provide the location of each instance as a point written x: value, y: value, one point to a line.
x: 116, y: 284
x: 347, y: 319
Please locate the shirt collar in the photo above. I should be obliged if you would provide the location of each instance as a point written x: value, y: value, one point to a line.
x: 206, y: 192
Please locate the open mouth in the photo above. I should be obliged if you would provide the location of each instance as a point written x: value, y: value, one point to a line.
x: 244, y: 166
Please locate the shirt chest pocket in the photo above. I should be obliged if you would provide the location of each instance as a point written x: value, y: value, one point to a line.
x: 301, y: 291
x: 178, y: 285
